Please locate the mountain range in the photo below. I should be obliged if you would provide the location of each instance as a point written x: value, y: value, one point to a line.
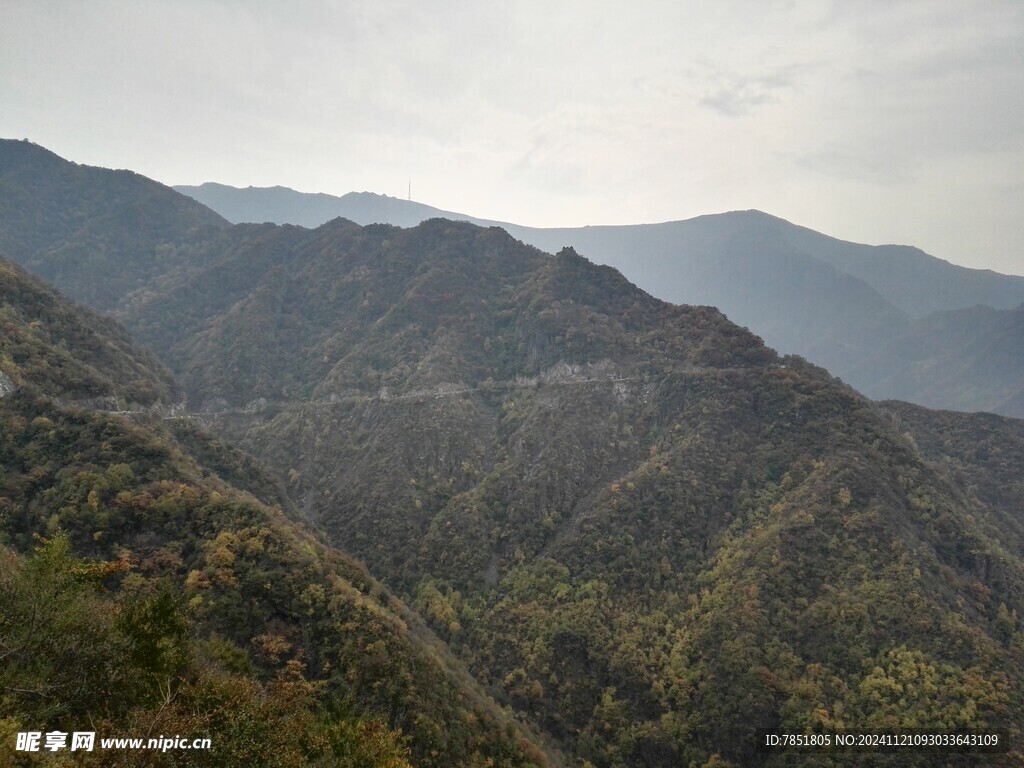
x: 874, y: 315
x: 157, y: 580
x: 641, y: 530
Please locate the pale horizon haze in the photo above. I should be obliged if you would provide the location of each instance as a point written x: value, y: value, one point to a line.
x: 876, y: 122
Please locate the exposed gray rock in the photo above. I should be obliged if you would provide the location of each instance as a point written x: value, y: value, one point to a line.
x: 6, y: 385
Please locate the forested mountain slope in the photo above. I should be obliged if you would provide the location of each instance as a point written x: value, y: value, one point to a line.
x: 911, y: 280
x: 71, y: 352
x: 113, y: 238
x: 981, y: 451
x: 164, y: 600
x: 94, y: 233
x: 350, y: 310
x: 633, y: 520
x: 648, y: 530
x: 835, y: 302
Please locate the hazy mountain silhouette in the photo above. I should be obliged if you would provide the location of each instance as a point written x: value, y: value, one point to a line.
x: 281, y: 205
x: 967, y: 359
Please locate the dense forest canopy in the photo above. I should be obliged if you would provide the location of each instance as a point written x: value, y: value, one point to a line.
x: 144, y: 592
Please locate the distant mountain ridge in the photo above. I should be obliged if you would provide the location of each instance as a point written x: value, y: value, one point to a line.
x: 894, y: 271
x: 281, y: 205
x: 966, y: 360
x: 835, y: 302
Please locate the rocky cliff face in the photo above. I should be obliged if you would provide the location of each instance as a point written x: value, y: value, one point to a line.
x: 6, y: 385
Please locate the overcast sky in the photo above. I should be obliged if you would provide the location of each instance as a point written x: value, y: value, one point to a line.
x: 881, y: 122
